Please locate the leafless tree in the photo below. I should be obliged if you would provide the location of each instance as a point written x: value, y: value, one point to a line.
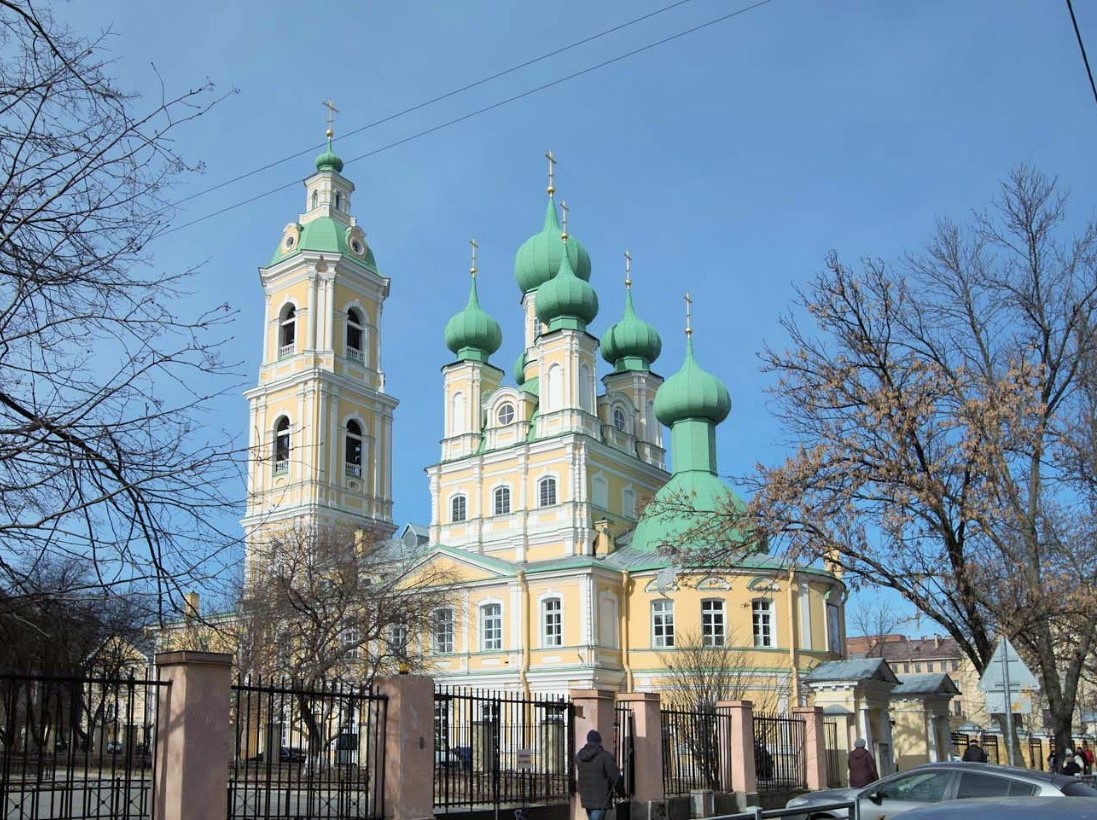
x: 103, y: 380
x: 942, y: 416
x: 323, y: 602
x: 875, y: 620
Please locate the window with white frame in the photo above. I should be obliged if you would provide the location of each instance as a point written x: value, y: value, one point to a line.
x: 491, y: 627
x: 351, y: 639
x: 762, y: 620
x: 552, y: 622
x: 628, y: 503
x: 458, y: 509
x: 501, y: 500
x: 396, y: 636
x: 355, y: 335
x: 442, y: 630
x: 457, y: 422
x: 662, y: 624
x: 505, y: 414
x: 619, y: 419
x: 712, y: 622
x: 600, y: 492
x: 353, y: 456
x: 281, y: 445
x: 546, y: 492
x: 287, y: 331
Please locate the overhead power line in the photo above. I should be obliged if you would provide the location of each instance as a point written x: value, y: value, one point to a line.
x: 1082, y: 48
x: 478, y: 112
x: 432, y: 101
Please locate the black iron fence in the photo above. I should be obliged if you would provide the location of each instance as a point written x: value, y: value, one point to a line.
x: 76, y: 747
x: 500, y: 748
x: 691, y: 749
x: 960, y: 741
x: 835, y: 755
x: 307, y: 751
x: 624, y: 742
x: 779, y: 760
x: 990, y: 746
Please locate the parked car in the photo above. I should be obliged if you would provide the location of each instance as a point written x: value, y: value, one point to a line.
x: 939, y: 782
x: 1008, y: 808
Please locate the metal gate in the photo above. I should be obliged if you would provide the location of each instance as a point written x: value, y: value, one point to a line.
x: 496, y: 749
x: 624, y: 730
x: 834, y: 755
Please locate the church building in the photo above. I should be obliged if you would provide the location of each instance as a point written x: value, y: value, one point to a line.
x: 551, y: 500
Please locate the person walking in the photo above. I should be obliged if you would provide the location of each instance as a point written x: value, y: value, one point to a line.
x: 598, y: 776
x: 862, y: 768
x: 974, y: 753
x: 1070, y: 764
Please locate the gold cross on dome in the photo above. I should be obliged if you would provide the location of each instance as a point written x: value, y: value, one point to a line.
x: 564, y: 210
x: 689, y: 315
x: 628, y: 270
x: 329, y: 104
x: 474, y: 245
x: 552, y: 172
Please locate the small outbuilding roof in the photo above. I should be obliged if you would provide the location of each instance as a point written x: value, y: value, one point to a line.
x: 852, y: 670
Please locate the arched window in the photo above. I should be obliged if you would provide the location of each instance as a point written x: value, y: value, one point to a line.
x: 354, y: 335
x: 315, y: 199
x: 458, y: 509
x: 354, y: 449
x: 628, y: 503
x: 457, y: 423
x: 554, y: 396
x: 546, y: 492
x: 619, y: 419
x: 338, y: 200
x: 600, y: 492
x: 287, y: 331
x: 281, y: 445
x: 501, y: 500
x: 586, y: 388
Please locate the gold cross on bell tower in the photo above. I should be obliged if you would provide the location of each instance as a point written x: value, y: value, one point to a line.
x: 552, y: 172
x: 474, y: 245
x: 628, y: 270
x: 329, y: 104
x: 689, y: 315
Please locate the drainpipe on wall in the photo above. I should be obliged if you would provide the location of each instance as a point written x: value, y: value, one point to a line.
x: 527, y: 638
x: 623, y: 627
x: 794, y: 672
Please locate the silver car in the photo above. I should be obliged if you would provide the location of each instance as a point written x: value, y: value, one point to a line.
x: 937, y: 782
x: 1009, y: 808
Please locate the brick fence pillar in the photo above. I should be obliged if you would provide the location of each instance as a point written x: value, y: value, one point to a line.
x: 647, y: 752
x: 739, y: 746
x: 193, y: 736
x: 593, y: 710
x: 815, y: 756
x: 409, y: 747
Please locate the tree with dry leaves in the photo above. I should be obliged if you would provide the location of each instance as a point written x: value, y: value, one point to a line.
x: 944, y: 421
x: 104, y: 456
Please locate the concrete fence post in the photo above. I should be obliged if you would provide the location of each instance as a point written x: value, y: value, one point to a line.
x: 815, y: 755
x: 740, y: 750
x: 593, y: 710
x: 409, y: 747
x: 193, y: 736
x: 647, y: 753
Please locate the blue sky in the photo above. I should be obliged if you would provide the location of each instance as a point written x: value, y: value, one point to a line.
x: 729, y: 161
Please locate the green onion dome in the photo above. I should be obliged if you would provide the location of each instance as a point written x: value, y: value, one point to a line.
x: 565, y: 301
x: 472, y: 334
x: 328, y: 161
x: 538, y: 260
x: 519, y: 371
x: 631, y: 343
x: 692, y: 393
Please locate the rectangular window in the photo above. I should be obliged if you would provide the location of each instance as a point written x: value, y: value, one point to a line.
x: 956, y: 667
x: 834, y: 631
x: 762, y: 620
x: 491, y: 627
x: 351, y: 641
x: 396, y: 636
x: 929, y: 666
x: 662, y: 624
x: 442, y: 631
x: 552, y: 623
x: 712, y: 623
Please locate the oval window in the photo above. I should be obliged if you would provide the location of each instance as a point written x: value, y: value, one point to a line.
x: 289, y: 241
x: 506, y: 414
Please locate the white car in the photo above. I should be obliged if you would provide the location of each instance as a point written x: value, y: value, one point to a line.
x: 938, y: 782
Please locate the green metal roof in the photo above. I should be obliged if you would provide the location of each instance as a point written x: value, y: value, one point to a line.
x: 680, y: 516
x: 472, y: 334
x: 519, y: 371
x: 566, y: 302
x: 326, y: 235
x: 538, y: 259
x: 631, y: 343
x: 692, y: 393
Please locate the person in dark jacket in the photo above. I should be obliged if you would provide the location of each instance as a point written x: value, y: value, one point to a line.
x: 598, y: 776
x: 862, y: 768
x: 974, y: 753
